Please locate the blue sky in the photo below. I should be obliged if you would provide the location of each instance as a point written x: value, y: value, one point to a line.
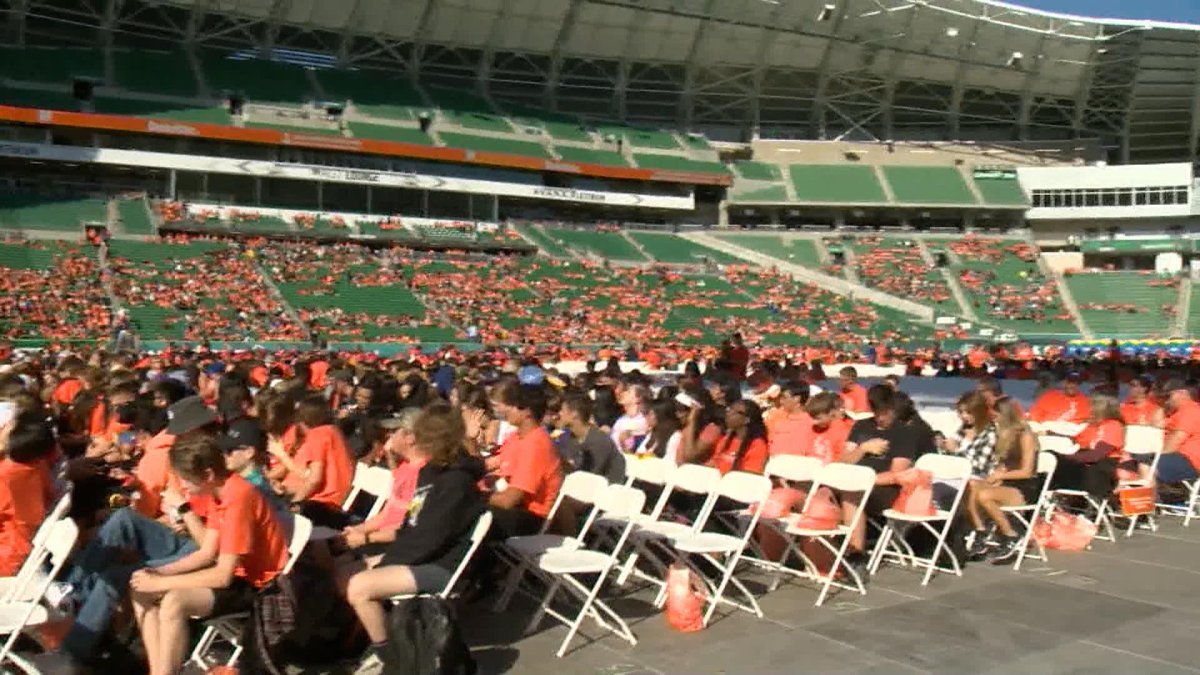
x: 1179, y: 11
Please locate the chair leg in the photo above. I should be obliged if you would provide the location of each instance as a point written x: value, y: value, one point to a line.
x: 511, y: 582
x: 885, y: 540
x: 544, y: 605
x: 937, y: 553
x: 203, y: 646
x: 839, y: 557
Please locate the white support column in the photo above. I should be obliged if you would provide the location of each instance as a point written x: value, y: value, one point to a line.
x: 959, y: 87
x: 687, y: 102
x: 420, y: 36
x: 1033, y: 71
x: 824, y: 71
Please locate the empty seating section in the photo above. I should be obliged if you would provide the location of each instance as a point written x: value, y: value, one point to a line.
x: 494, y: 144
x: 608, y: 245
x: 373, y: 94
x: 771, y: 193
x: 155, y: 72
x: 696, y: 142
x: 135, y: 218
x: 388, y: 132
x: 677, y: 163
x: 655, y: 139
x: 35, y: 212
x: 257, y: 79
x: 1125, y: 304
x: 196, y: 291
x: 42, y: 100
x: 749, y: 170
x: 928, y: 185
x: 549, y: 245
x: 50, y: 65
x: 1004, y: 284
x: 252, y: 221
x: 468, y: 110
x: 797, y: 250
x: 670, y: 248
x: 1001, y: 191
x: 295, y: 129
x: 573, y: 153
x: 171, y: 111
x: 817, y: 183
x: 558, y: 126
x: 51, y: 291
x: 895, y: 266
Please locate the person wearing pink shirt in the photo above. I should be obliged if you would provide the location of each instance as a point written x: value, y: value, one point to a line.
x: 381, y: 528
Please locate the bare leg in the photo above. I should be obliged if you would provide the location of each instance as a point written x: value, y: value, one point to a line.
x: 368, y: 588
x: 972, y: 498
x: 992, y: 498
x: 858, y: 538
x: 145, y: 612
x: 173, y: 613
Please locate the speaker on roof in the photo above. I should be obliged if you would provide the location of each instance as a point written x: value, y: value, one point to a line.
x: 82, y: 89
x: 236, y: 103
x: 425, y: 119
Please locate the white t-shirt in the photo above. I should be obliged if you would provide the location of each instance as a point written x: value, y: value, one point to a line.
x: 629, y: 427
x: 672, y: 452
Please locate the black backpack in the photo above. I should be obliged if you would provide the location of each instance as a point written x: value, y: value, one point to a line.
x: 424, y: 639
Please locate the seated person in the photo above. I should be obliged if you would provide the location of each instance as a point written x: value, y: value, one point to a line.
x: 1093, y: 468
x: 1180, y: 458
x: 374, y: 533
x: 322, y: 464
x: 584, y: 447
x: 437, y: 529
x: 829, y: 434
x: 1013, y: 481
x: 744, y: 445
x: 1140, y: 407
x: 243, y: 547
x: 24, y: 443
x: 530, y: 466
x: 1067, y: 404
x: 789, y: 426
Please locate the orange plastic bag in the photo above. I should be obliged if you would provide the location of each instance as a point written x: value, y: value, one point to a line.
x: 783, y: 500
x: 1065, y: 532
x: 822, y: 512
x: 685, y: 600
x: 916, y: 493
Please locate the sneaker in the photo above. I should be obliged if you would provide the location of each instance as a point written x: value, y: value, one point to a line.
x: 370, y: 664
x: 858, y: 563
x: 980, y: 546
x: 1006, y: 553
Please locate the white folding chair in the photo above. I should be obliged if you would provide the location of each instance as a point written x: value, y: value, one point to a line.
x: 229, y: 627
x: 522, y: 552
x: 1143, y: 440
x: 845, y: 478
x: 564, y: 566
x: 1062, y: 445
x: 789, y: 470
x: 724, y: 551
x: 1027, y: 514
x: 17, y: 615
x: 946, y: 469
x: 373, y: 480
x: 30, y: 566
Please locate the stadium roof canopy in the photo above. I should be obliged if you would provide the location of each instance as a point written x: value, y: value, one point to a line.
x: 882, y: 69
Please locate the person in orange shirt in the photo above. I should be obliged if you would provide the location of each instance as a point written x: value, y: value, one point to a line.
x: 1139, y: 407
x: 1180, y: 458
x: 829, y: 428
x: 1101, y: 444
x: 323, y: 463
x: 186, y: 418
x: 244, y: 547
x: 854, y: 395
x: 529, y: 463
x: 24, y: 441
x: 744, y: 445
x: 789, y: 426
x: 1068, y: 404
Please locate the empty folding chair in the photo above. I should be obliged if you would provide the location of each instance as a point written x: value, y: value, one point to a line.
x: 1028, y: 514
x: 1143, y: 440
x: 564, y: 567
x: 724, y: 551
x: 229, y: 627
x: 18, y: 615
x: 373, y: 480
x: 844, y: 478
x: 582, y: 487
x: 640, y: 472
x: 1061, y: 445
x: 30, y: 566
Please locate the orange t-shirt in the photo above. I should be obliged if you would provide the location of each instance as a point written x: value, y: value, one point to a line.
x: 788, y: 434
x: 724, y: 455
x: 855, y: 399
x: 532, y: 465
x: 247, y: 526
x: 1055, y: 406
x: 67, y: 390
x: 22, y: 509
x: 1187, y: 419
x: 326, y: 444
x: 153, y: 473
x: 1139, y: 413
x: 1107, y: 431
x: 828, y: 443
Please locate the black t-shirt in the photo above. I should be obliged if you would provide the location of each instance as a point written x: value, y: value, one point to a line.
x: 902, y: 442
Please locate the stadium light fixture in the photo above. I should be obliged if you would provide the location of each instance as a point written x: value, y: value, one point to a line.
x: 826, y: 12
x: 1016, y: 60
x: 952, y: 31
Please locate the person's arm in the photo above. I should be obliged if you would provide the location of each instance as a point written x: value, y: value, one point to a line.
x: 314, y: 477
x: 511, y: 498
x: 439, y: 524
x: 202, y: 557
x: 852, y: 453
x: 219, y: 575
x: 889, y: 477
x: 275, y: 448
x: 1174, y: 441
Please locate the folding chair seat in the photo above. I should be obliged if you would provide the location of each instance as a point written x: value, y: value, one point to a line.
x: 1062, y: 445
x: 1027, y: 514
x: 18, y: 615
x: 1143, y: 440
x: 564, y: 567
x: 373, y: 480
x: 845, y: 478
x: 946, y: 469
x: 229, y: 627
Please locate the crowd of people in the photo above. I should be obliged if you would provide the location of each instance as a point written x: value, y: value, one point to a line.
x: 60, y: 301
x: 897, y: 267
x: 187, y: 469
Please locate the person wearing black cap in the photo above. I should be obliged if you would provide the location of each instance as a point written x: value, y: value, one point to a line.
x: 186, y: 418
x: 244, y: 445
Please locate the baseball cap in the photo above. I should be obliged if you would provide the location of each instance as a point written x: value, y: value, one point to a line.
x: 1173, y: 384
x: 214, y: 369
x: 1074, y: 376
x: 244, y: 433
x: 531, y: 376
x: 188, y: 414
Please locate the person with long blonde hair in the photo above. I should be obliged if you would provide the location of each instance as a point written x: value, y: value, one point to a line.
x: 1013, y: 480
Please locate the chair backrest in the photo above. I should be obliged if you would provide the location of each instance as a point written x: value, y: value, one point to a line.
x: 945, y: 467
x: 478, y: 534
x: 1047, y: 463
x: 584, y: 487
x: 373, y: 480
x: 695, y: 478
x: 845, y: 477
x: 1144, y: 440
x: 744, y: 487
x: 301, y: 532
x: 648, y: 469
x: 1059, y: 444
x: 60, y: 541
x: 793, y: 468
x: 29, y: 567
x: 622, y: 502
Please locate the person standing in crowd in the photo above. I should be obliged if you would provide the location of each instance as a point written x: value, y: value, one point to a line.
x: 854, y: 395
x: 1067, y: 404
x: 585, y: 447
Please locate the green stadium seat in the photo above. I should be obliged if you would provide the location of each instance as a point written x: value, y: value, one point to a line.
x: 287, y: 128
x: 647, y: 160
x: 571, y: 153
x: 494, y: 144
x: 999, y: 191
x: 160, y: 110
x: 373, y: 94
x: 42, y: 100
x: 1125, y: 304
x: 696, y: 142
x: 757, y: 171
x: 558, y: 126
x: 609, y: 245
x: 51, y: 65
x: 928, y: 185
x: 772, y: 193
x: 671, y: 248
x: 656, y: 139
x: 549, y: 245
x: 388, y: 132
x: 836, y: 183
x: 797, y: 250
x: 257, y: 79
x: 468, y: 110
x: 155, y: 72
x: 135, y: 217
x: 34, y: 212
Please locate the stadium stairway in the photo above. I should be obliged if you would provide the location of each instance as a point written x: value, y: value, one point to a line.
x: 1068, y: 299
x: 269, y: 282
x: 831, y: 283
x: 1183, y: 310
x: 964, y: 306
